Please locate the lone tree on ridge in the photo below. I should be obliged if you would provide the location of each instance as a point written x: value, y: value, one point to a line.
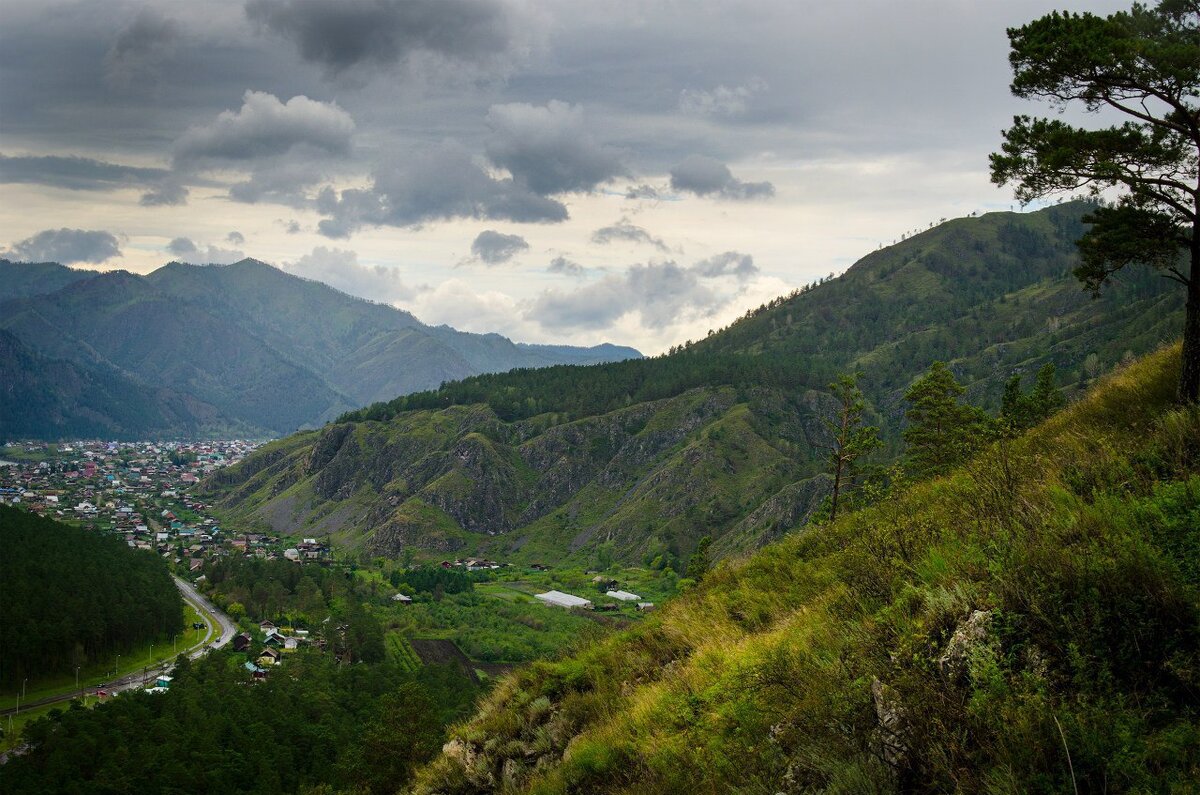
x: 1141, y: 66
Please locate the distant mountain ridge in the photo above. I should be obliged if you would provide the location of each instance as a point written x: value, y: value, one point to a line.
x: 721, y: 438
x: 261, y: 350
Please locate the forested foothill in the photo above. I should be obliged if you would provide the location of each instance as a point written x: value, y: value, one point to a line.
x: 314, y: 724
x: 70, y: 597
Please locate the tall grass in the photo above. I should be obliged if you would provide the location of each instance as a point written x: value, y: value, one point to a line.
x: 840, y: 658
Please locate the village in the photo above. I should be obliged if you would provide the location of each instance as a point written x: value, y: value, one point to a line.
x: 142, y: 492
x: 146, y: 494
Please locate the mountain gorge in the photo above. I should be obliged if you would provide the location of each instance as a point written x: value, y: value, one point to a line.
x: 243, y: 348
x: 722, y: 438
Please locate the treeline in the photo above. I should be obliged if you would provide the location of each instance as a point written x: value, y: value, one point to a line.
x: 356, y: 728
x: 434, y: 580
x: 69, y: 597
x: 938, y: 296
x: 329, y: 601
x: 596, y: 389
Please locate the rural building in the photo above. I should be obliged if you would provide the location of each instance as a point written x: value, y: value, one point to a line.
x: 624, y: 596
x: 560, y: 599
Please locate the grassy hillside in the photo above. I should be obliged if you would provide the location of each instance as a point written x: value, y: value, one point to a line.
x: 1028, y: 623
x: 644, y: 457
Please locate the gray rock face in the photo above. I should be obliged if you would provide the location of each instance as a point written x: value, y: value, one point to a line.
x: 970, y: 635
x: 889, y: 731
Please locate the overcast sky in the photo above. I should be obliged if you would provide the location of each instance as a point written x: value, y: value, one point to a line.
x: 558, y: 171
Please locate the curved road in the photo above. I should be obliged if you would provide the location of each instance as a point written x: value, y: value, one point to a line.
x: 227, y: 629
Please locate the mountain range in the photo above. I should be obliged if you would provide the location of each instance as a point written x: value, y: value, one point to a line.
x: 240, y: 349
x: 640, y: 459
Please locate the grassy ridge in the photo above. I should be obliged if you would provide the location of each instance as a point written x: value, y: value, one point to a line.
x: 1030, y: 622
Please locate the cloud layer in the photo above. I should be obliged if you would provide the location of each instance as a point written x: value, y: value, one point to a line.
x: 661, y: 294
x: 344, y: 34
x: 341, y: 269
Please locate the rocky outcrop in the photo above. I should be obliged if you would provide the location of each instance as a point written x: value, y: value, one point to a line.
x: 970, y: 635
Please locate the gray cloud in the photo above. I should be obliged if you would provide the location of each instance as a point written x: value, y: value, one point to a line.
x: 495, y: 247
x: 705, y: 176
x: 76, y: 173
x: 565, y: 267
x: 642, y: 192
x: 236, y: 237
x: 188, y: 251
x: 66, y: 246
x: 730, y: 263
x: 342, y: 34
x: 265, y: 127
x: 440, y: 184
x: 136, y: 56
x: 720, y: 101
x: 169, y: 192
x: 340, y: 268
x: 662, y: 294
x: 625, y: 230
x: 549, y: 148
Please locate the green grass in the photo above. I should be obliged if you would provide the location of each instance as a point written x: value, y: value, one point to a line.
x: 1078, y: 543
x: 400, y: 651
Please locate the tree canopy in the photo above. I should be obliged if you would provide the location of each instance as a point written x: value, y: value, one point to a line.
x: 69, y: 596
x: 1143, y: 65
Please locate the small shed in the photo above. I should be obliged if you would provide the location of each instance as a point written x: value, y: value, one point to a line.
x: 404, y: 599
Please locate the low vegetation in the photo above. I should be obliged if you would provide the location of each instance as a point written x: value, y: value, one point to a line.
x: 1029, y: 621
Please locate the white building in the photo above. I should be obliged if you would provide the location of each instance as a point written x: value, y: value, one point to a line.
x: 624, y: 596
x: 560, y: 599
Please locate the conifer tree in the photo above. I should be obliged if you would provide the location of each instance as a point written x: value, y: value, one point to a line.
x: 1142, y: 66
x: 941, y: 430
x: 849, y: 438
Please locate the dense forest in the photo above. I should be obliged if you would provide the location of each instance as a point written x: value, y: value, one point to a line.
x: 356, y: 728
x: 69, y: 597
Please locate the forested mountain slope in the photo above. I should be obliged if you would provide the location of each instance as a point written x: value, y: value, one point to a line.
x: 265, y: 350
x: 18, y: 280
x: 59, y: 399
x: 1028, y: 623
x: 720, y: 438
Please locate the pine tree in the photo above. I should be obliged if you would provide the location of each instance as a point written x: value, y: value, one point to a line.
x: 848, y: 437
x: 941, y: 431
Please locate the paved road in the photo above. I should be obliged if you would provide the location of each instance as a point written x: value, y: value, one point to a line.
x: 206, y: 608
x: 224, y: 631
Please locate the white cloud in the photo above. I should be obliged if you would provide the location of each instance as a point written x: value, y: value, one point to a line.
x: 340, y: 268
